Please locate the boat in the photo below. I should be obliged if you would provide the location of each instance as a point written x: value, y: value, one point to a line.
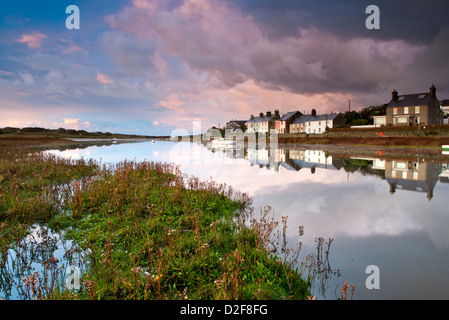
x: 445, y: 149
x: 222, y: 142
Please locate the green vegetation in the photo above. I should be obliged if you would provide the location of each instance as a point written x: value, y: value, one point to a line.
x: 148, y: 231
x: 365, y: 116
x: 64, y: 133
x: 30, y: 183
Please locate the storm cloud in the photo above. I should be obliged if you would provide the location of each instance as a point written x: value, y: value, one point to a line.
x: 161, y: 64
x: 288, y: 46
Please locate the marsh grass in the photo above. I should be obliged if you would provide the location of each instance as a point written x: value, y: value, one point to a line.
x: 32, y: 268
x: 30, y: 183
x: 148, y: 231
x: 155, y: 233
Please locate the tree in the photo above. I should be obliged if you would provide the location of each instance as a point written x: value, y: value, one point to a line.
x: 351, y: 116
x: 359, y: 122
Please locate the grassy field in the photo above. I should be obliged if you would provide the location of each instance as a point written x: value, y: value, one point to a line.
x: 424, y: 142
x: 61, y: 133
x: 149, y: 232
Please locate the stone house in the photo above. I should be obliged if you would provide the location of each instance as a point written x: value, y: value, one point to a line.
x: 263, y: 123
x: 414, y: 109
x: 283, y: 124
x: 316, y: 124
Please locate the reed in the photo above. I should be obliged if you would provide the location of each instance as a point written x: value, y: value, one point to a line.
x: 148, y: 231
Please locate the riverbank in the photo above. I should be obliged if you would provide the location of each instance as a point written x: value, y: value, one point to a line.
x: 149, y: 232
x: 417, y: 142
x: 385, y: 152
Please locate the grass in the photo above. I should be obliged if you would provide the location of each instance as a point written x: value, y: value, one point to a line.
x: 62, y: 133
x: 149, y: 231
x: 424, y: 142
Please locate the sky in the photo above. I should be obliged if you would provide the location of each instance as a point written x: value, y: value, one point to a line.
x: 152, y: 66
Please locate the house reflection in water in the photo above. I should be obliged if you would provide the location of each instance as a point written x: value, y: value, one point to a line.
x: 412, y: 174
x: 263, y: 157
x: 295, y: 159
x: 444, y: 176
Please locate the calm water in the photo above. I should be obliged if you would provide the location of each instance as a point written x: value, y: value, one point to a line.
x: 389, y: 213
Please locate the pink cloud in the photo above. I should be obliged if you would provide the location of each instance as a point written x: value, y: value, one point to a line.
x: 172, y: 102
x: 228, y: 47
x: 33, y: 39
x: 145, y: 4
x: 71, y: 47
x: 104, y: 79
x: 73, y: 123
x: 6, y: 73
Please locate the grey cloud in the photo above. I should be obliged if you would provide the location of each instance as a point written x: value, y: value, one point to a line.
x: 415, y: 21
x: 232, y: 45
x: 131, y: 55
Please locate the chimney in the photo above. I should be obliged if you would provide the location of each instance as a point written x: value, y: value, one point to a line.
x: 276, y: 112
x: 313, y: 112
x: 394, y: 95
x: 433, y: 91
x: 268, y: 113
x: 261, y: 114
x: 252, y: 116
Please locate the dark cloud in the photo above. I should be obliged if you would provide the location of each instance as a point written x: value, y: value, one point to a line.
x: 228, y: 45
x: 415, y: 21
x: 132, y: 56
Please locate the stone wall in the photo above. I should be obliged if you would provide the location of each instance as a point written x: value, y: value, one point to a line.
x: 404, y: 131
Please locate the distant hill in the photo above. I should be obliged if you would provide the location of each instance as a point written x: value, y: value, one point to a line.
x: 67, y: 133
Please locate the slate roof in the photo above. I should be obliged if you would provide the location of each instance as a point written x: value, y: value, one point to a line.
x: 232, y: 125
x: 410, y: 185
x: 445, y: 103
x: 416, y: 99
x: 310, y: 118
x: 306, y: 164
x: 264, y: 118
x: 288, y: 115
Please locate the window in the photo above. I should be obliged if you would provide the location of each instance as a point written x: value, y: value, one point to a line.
x: 401, y: 165
x: 405, y: 110
x: 381, y: 121
x: 402, y: 120
x: 395, y: 111
x: 417, y: 109
x: 421, y: 96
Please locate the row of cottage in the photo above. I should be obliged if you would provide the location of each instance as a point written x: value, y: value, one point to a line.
x: 412, y: 175
x: 290, y: 122
x: 410, y: 109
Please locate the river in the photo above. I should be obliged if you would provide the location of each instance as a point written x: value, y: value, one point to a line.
x: 383, y: 212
